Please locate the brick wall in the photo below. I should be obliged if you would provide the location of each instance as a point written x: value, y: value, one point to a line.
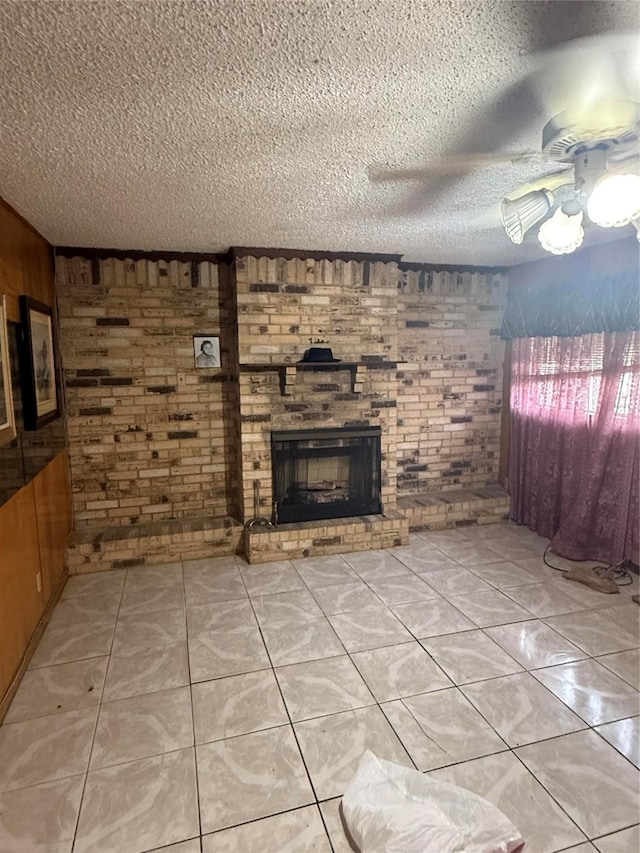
x: 149, y: 435
x: 286, y: 306
x: 450, y: 387
x: 152, y: 438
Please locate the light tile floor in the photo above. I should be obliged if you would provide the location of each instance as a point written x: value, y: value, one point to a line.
x: 213, y: 706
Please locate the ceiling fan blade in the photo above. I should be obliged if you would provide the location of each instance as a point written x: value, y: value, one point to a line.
x: 454, y: 163
x: 549, y: 181
x: 585, y: 78
x: 629, y: 160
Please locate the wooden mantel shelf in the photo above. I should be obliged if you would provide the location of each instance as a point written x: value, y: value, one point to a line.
x: 287, y: 372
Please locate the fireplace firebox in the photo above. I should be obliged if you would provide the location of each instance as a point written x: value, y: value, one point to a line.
x: 325, y: 473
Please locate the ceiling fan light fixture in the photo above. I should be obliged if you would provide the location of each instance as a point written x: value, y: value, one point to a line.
x: 561, y: 234
x: 521, y: 214
x: 615, y: 200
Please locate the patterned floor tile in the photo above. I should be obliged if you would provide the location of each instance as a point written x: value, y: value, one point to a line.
x: 295, y: 642
x: 250, y: 777
x: 296, y: 606
x: 625, y: 736
x: 149, y: 631
x: 432, y: 618
x: 139, y: 805
x: 332, y: 746
x: 147, y: 670
x: 366, y: 563
x: 451, y: 722
x: 42, y: 817
x: 220, y: 653
x: 534, y: 644
x: 503, y: 575
x: 95, y: 582
x: 402, y: 590
x: 369, y: 629
x: 625, y: 664
x: 521, y: 710
x: 269, y: 578
x: 237, y: 705
x: 393, y: 672
x: 142, y: 726
x: 490, y: 608
x: 67, y: 643
x: 591, y: 690
x: 449, y: 582
x: 317, y: 572
x: 57, y: 689
x: 45, y: 748
x: 290, y: 832
x: 506, y: 783
x: 625, y: 841
x: 471, y: 656
x: 596, y: 632
x: 320, y: 687
x: 593, y: 783
x: 345, y: 598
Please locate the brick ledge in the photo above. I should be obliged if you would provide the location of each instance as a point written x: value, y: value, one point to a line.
x: 163, y: 527
x: 168, y: 540
x: 455, y: 507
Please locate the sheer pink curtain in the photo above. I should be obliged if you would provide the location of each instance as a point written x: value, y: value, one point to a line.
x: 575, y: 443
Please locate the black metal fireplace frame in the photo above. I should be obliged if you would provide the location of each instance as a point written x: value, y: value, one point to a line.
x: 287, y: 513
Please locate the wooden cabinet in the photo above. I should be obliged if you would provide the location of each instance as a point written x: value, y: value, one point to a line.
x: 36, y: 521
x: 34, y: 526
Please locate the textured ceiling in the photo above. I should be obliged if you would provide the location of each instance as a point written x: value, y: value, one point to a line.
x: 192, y: 126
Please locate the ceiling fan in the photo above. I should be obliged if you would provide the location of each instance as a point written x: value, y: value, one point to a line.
x: 589, y: 147
x: 598, y: 151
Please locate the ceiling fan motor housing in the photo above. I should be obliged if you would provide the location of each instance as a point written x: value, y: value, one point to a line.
x: 612, y: 127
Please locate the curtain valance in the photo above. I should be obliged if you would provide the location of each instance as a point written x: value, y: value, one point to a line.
x: 572, y: 308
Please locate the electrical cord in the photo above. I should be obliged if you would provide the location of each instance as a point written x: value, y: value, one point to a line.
x: 614, y: 572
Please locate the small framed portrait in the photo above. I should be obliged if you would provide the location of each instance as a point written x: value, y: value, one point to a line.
x: 7, y: 416
x: 39, y: 391
x: 206, y: 350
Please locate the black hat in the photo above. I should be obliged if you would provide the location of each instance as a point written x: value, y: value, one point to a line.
x: 319, y: 355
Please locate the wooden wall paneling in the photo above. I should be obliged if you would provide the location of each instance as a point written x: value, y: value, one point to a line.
x: 54, y: 521
x: 38, y: 517
x: 21, y: 605
x: 26, y: 262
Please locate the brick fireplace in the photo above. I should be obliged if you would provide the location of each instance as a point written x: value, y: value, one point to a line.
x: 286, y: 305
x: 168, y: 461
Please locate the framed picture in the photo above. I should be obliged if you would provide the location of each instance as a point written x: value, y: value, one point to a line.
x: 206, y: 350
x: 39, y: 392
x: 7, y: 417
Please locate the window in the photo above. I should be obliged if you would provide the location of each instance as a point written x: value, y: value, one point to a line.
x: 566, y: 373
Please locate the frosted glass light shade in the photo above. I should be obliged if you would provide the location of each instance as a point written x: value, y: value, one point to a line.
x: 615, y: 200
x: 521, y: 214
x: 561, y: 234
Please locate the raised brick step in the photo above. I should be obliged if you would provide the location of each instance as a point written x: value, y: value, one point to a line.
x: 99, y: 549
x: 332, y: 536
x: 454, y: 507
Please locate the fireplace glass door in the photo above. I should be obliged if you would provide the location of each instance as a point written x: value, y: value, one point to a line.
x: 325, y: 473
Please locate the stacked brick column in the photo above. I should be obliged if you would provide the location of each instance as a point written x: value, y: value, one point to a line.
x: 286, y: 306
x: 450, y: 385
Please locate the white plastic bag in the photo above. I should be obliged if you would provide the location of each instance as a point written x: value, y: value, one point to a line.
x: 392, y: 809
